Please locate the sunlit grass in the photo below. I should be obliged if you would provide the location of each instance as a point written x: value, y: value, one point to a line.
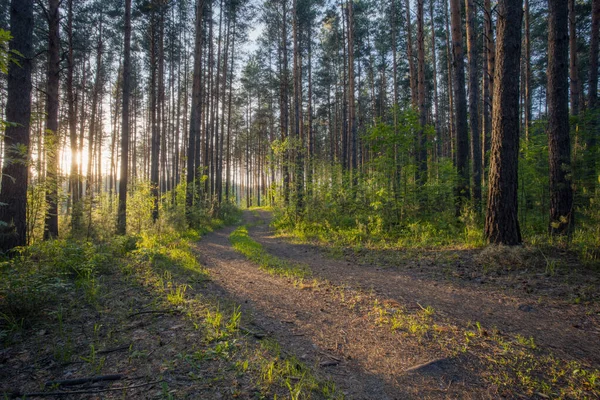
x: 254, y: 251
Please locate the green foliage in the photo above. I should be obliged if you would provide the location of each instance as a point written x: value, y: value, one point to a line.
x: 6, y: 56
x: 139, y: 208
x: 31, y: 281
x: 384, y: 203
x: 254, y: 251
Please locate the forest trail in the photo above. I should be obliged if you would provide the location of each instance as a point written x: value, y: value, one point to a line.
x: 559, y: 327
x: 332, y: 325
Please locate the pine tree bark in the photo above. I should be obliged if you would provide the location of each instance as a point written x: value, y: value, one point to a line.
x: 559, y: 144
x: 421, y: 149
x: 488, y: 81
x: 15, y: 166
x: 436, y: 105
x: 299, y: 172
x: 592, y: 163
x: 501, y: 223
x: 283, y: 102
x: 93, y: 116
x: 51, y: 136
x: 74, y: 180
x: 422, y: 138
x: 474, y: 102
x: 573, y: 63
x: 527, y: 82
x: 352, y: 128
x: 229, y: 114
x: 414, y: 96
x: 196, y: 109
x: 125, y: 131
x: 460, y: 102
x: 593, y: 78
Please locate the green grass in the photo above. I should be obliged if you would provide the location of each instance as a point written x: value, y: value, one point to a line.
x: 254, y: 251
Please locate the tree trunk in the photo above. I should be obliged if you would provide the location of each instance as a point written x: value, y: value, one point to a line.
x: 93, y: 117
x: 435, y: 83
x: 559, y: 145
x: 488, y: 81
x: 592, y: 162
x: 284, y: 103
x: 124, y: 173
x: 501, y: 223
x: 299, y: 173
x: 74, y: 181
x: 13, y: 192
x: 196, y: 109
x: 574, y: 75
x: 460, y: 102
x: 474, y: 102
x: 527, y: 71
x: 421, y: 149
x: 51, y: 137
x: 229, y: 114
x: 593, y: 80
x: 351, y: 103
x: 411, y: 62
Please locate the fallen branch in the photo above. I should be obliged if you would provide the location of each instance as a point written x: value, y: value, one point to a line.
x: 108, y: 351
x: 50, y: 394
x: 153, y: 312
x: 328, y: 363
x: 81, y: 381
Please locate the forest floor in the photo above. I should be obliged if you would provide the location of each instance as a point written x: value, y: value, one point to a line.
x: 383, y: 325
x: 323, y: 323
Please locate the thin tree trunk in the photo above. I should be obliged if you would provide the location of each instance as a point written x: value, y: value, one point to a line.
x: 196, y: 109
x: 93, y: 117
x: 51, y: 137
x: 284, y: 104
x: 435, y: 83
x: 299, y: 173
x: 474, y: 102
x: 452, y: 119
x: 527, y: 71
x: 421, y: 149
x: 154, y: 115
x: 72, y: 117
x: 124, y: 173
x: 488, y: 80
x: 411, y: 62
x: 229, y: 114
x: 559, y: 144
x: 592, y: 162
x: 574, y: 75
x: 460, y: 101
x: 352, y: 129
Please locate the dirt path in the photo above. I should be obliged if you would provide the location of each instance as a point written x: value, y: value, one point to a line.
x: 338, y: 337
x: 561, y: 328
x: 342, y: 343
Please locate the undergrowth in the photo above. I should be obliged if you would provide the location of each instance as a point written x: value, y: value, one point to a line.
x: 254, y: 251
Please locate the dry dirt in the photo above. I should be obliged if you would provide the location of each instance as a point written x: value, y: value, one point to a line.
x: 368, y: 361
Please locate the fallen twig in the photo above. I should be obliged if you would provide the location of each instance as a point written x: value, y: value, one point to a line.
x: 328, y: 363
x: 153, y: 312
x: 49, y: 394
x: 107, y: 351
x: 81, y: 381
